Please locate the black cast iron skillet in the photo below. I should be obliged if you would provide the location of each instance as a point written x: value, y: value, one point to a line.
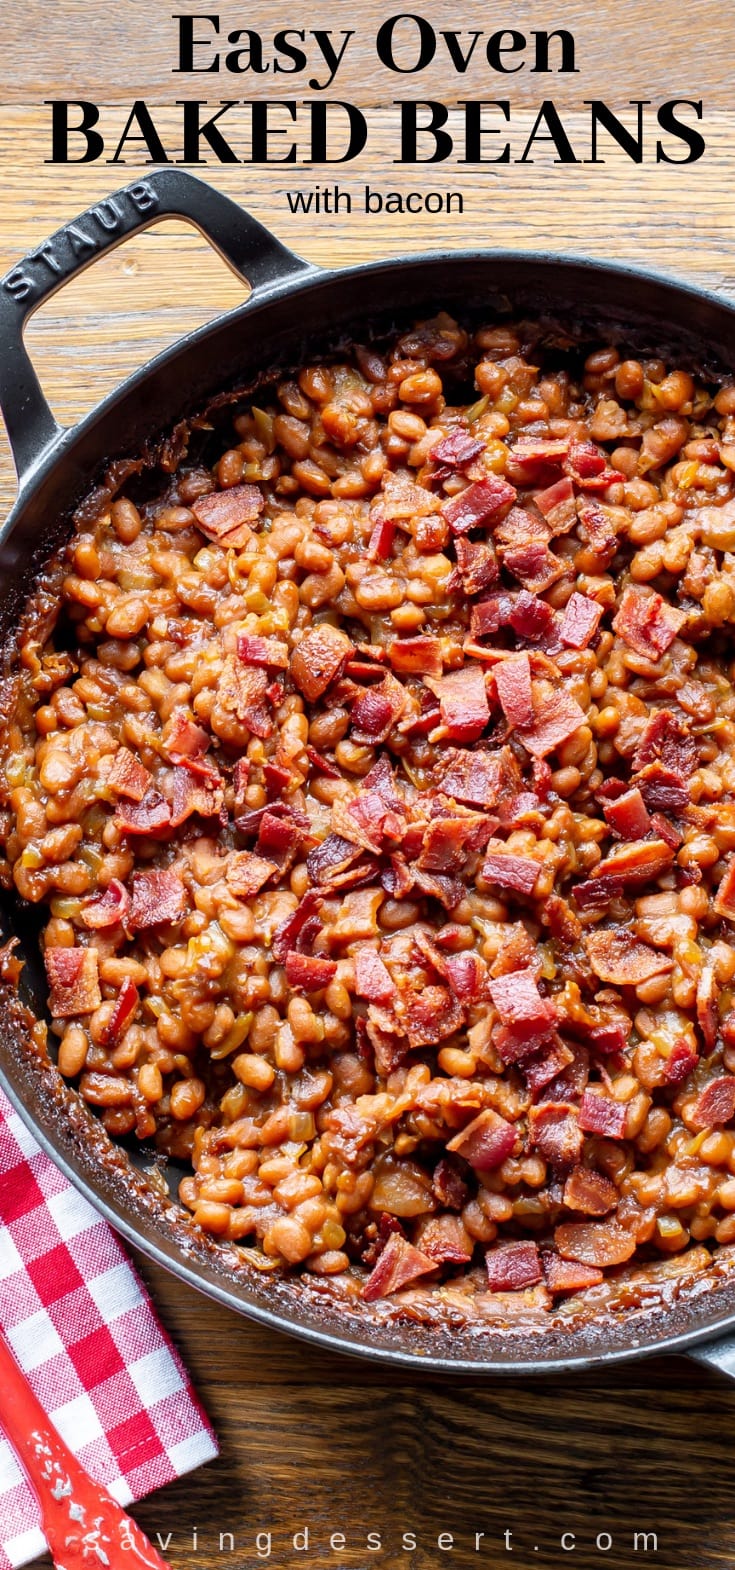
x: 295, y: 309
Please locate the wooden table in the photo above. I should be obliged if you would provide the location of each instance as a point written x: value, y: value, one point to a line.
x: 309, y: 1439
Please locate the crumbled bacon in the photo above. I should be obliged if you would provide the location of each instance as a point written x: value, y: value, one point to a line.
x: 226, y: 516
x: 590, y: 1192
x: 466, y: 974
x: 617, y: 957
x: 667, y: 740
x: 447, y: 841
x: 128, y: 777
x: 478, y: 503
x: 421, y: 655
x: 477, y: 564
x: 278, y: 838
x: 123, y: 1013
x: 600, y: 1244
x: 318, y: 658
x: 531, y: 451
x: 519, y: 874
x: 681, y: 1062
x: 554, y: 1130
x: 588, y: 467
x: 557, y: 506
x: 373, y: 980
x: 309, y: 972
x: 463, y: 702
x: 513, y: 683
x: 456, y: 450
x: 486, y: 1142
x: 565, y: 1275
x: 183, y: 738
x: 287, y: 935
x: 73, y: 981
x: 600, y: 1114
x: 332, y: 857
x: 557, y: 716
x: 148, y: 816
x: 580, y: 621
x: 445, y: 1239
x: 715, y: 1105
x: 194, y: 795
x: 534, y: 565
x: 106, y: 909
x: 598, y: 529
x: 157, y: 897
x: 268, y: 652
x: 511, y: 1267
x: 381, y: 539
x: 399, y: 1264
x: 431, y: 1016
x: 542, y: 1067
x: 246, y: 873
x: 377, y: 710
x: 473, y: 778
x: 638, y: 861
x: 448, y: 1185
x: 724, y: 901
x: 647, y: 623
x: 628, y: 815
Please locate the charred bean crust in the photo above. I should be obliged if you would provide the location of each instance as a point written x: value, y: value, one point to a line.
x: 255, y: 663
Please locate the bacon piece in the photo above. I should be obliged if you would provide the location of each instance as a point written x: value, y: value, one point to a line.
x: 681, y: 1062
x: 278, y: 839
x: 488, y: 616
x: 638, y: 861
x: 318, y: 658
x: 519, y: 1002
x: 148, y: 816
x: 580, y: 621
x: 262, y: 651
x: 126, y: 1004
x: 534, y: 620
x: 535, y: 566
x: 367, y: 821
x: 157, y: 897
x: 590, y: 1192
x: 544, y: 1066
x: 287, y: 936
x: 448, y: 1185
x: 477, y: 564
x: 399, y: 1264
x: 192, y: 795
x: 628, y: 815
x: 601, y: 1114
x: 309, y: 972
x: 73, y: 981
x: 715, y: 1106
x: 513, y: 683
x: 564, y: 1275
x: 246, y: 873
x: 724, y: 902
x: 595, y: 893
x: 106, y: 909
x: 421, y: 655
x: 183, y: 738
x: 456, y: 450
x: 431, y: 1016
x: 624, y: 961
x: 611, y: 1037
x: 570, y: 1084
x: 557, y: 506
x: 668, y: 741
x: 358, y: 917
x: 226, y: 516
x: 519, y: 874
x: 463, y: 702
x: 445, y: 1239
x: 597, y: 528
x: 447, y: 841
x: 588, y: 467
x: 128, y: 777
x: 666, y: 831
x: 532, y: 450
x: 486, y: 1142
x: 511, y: 1267
x: 647, y: 623
x: 332, y: 857
x: 478, y: 503
x: 473, y: 778
x: 322, y: 764
x: 465, y: 973
x: 242, y: 691
x: 381, y: 539
x: 557, y: 717
x: 377, y: 710
x: 554, y: 1131
x: 373, y: 980
x: 596, y: 1243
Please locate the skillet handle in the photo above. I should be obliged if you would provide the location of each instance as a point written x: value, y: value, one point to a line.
x: 718, y: 1355
x: 250, y: 249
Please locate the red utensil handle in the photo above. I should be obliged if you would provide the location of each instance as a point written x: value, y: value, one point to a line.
x: 84, y: 1526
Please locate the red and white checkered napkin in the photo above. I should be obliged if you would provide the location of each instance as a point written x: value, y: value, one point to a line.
x: 83, y: 1327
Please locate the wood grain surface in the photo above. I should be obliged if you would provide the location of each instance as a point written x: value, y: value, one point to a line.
x: 310, y: 1440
